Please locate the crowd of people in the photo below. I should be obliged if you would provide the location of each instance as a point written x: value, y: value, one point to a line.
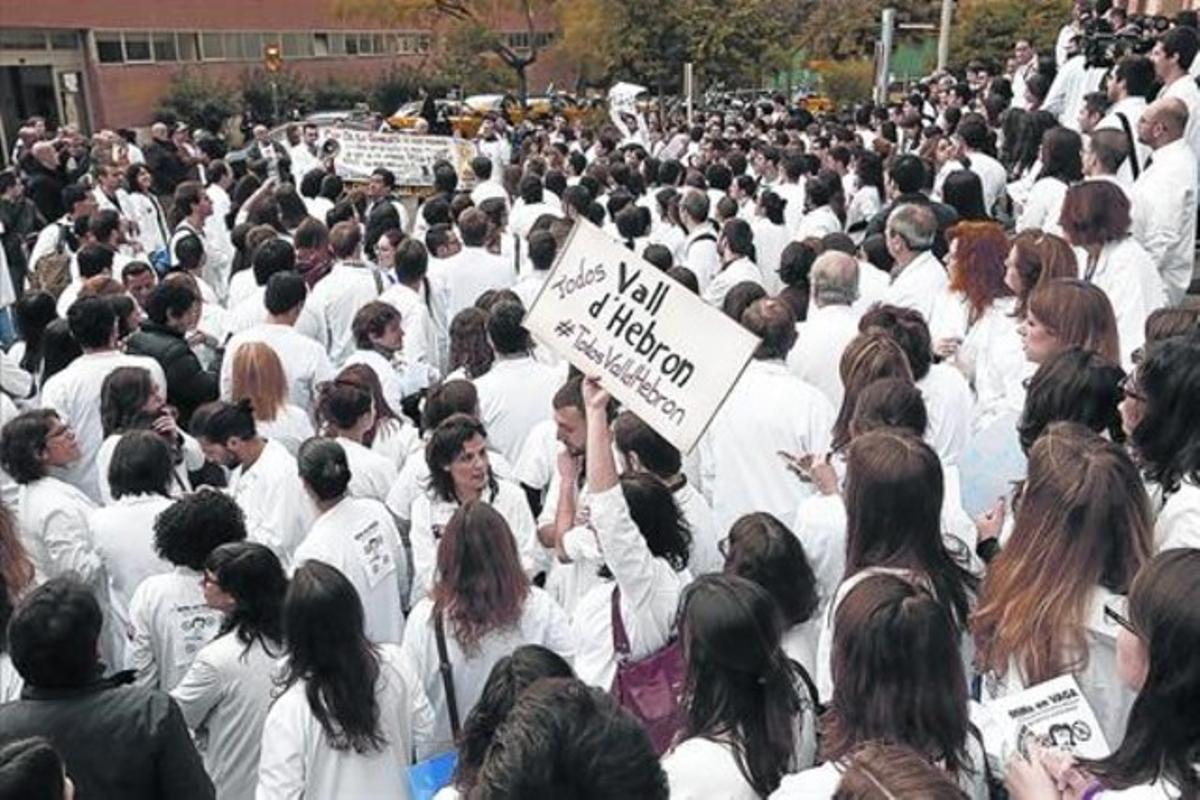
x: 292, y: 505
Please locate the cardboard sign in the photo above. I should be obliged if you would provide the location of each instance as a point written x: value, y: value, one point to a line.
x: 662, y: 351
x: 411, y: 158
x: 1054, y: 714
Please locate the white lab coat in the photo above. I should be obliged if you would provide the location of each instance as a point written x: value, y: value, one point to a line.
x: 918, y: 284
x: 169, y: 623
x: 123, y: 534
x: 1185, y: 89
x: 740, y: 270
x: 770, y: 240
x: 271, y: 495
x: 414, y: 478
x: 358, y: 538
x: 1164, y: 216
x: 75, y: 394
x: 1178, y: 522
x: 416, y: 319
x: 298, y: 761
x: 1043, y: 206
x: 817, y: 224
x: 251, y: 310
x: 305, y: 362
x: 1132, y: 108
x: 820, y: 341
x: 371, y: 474
x: 470, y: 273
x: 291, y: 427
x: 542, y: 622
x: 52, y: 517
x: 768, y: 410
x: 650, y: 591
x: 514, y: 396
x: 700, y: 768
x: 949, y: 405
x: 1127, y: 274
x: 705, y: 555
x: 429, y: 518
x: 698, y: 252
x: 224, y: 697
x: 337, y: 298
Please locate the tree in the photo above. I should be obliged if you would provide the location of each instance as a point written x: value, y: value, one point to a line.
x: 836, y: 29
x: 199, y: 100
x: 985, y: 30
x: 648, y: 41
x: 472, y: 20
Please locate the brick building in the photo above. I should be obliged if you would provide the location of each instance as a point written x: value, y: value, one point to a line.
x: 106, y: 63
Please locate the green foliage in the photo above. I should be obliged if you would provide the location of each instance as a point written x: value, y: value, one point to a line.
x: 986, y: 29
x: 291, y: 92
x: 199, y: 100
x: 467, y: 60
x: 848, y: 81
x: 835, y: 29
x: 339, y: 94
x: 402, y: 83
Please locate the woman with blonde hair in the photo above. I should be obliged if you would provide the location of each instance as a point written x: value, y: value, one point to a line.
x: 1083, y: 528
x: 258, y: 376
x: 1067, y: 312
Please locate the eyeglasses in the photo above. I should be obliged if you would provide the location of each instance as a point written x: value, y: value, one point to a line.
x: 1129, y: 387
x: 1118, y: 618
x: 63, y: 431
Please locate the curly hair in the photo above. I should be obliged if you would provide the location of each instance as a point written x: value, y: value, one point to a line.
x: 188, y: 530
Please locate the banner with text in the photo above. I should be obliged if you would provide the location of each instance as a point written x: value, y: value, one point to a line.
x: 663, y: 352
x: 411, y: 158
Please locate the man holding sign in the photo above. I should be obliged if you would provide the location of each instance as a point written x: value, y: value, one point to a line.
x: 660, y: 350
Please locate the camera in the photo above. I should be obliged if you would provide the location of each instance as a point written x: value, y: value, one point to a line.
x: 1102, y: 47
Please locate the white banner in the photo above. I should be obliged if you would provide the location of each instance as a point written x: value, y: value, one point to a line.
x: 622, y: 97
x: 663, y: 352
x: 411, y: 158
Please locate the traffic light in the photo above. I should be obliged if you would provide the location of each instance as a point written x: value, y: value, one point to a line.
x: 272, y: 58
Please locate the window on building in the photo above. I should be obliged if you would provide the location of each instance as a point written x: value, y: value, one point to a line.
x: 64, y: 40
x: 518, y: 40
x: 351, y: 44
x: 137, y: 46
x: 189, y: 46
x: 337, y: 44
x: 18, y: 39
x: 251, y: 46
x: 108, y: 47
x: 212, y: 46
x: 424, y: 42
x: 366, y: 44
x: 297, y: 45
x: 233, y: 46
x: 164, y: 47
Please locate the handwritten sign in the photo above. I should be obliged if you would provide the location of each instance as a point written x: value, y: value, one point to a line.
x: 411, y: 158
x: 659, y: 349
x: 1054, y: 714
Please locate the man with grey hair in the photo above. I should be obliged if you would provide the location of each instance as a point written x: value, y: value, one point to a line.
x: 699, y: 249
x: 918, y: 278
x: 1164, y: 196
x: 832, y: 322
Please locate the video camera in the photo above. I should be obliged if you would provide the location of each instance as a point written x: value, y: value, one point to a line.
x: 1102, y: 47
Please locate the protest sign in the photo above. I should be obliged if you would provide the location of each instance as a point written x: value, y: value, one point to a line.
x: 659, y: 349
x: 1054, y: 714
x: 411, y: 158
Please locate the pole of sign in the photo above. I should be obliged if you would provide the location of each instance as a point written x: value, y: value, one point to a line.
x: 883, y: 54
x: 943, y: 53
x: 273, y: 60
x: 688, y: 77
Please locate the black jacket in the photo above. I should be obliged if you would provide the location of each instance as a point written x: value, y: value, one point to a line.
x: 167, y: 166
x: 118, y: 741
x: 188, y: 384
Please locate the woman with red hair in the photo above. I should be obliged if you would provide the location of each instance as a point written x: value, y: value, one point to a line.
x: 972, y: 324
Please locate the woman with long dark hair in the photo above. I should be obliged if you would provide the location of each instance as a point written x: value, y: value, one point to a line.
x: 893, y: 495
x: 33, y: 312
x: 482, y: 605
x: 130, y: 401
x: 357, y: 536
x: 1159, y: 414
x: 350, y: 714
x: 509, y: 678
x: 900, y: 679
x: 748, y: 714
x: 143, y: 208
x: 764, y: 550
x: 1062, y: 165
x: 1158, y: 636
x: 771, y: 238
x: 225, y: 694
x: 460, y: 471
x: 869, y: 194
x: 1069, y: 312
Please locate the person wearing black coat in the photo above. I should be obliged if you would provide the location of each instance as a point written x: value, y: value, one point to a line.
x: 172, y: 310
x: 117, y: 740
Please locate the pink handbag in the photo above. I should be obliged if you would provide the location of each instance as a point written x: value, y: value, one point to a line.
x: 651, y: 688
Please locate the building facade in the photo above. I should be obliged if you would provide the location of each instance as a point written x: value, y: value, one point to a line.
x: 107, y: 63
